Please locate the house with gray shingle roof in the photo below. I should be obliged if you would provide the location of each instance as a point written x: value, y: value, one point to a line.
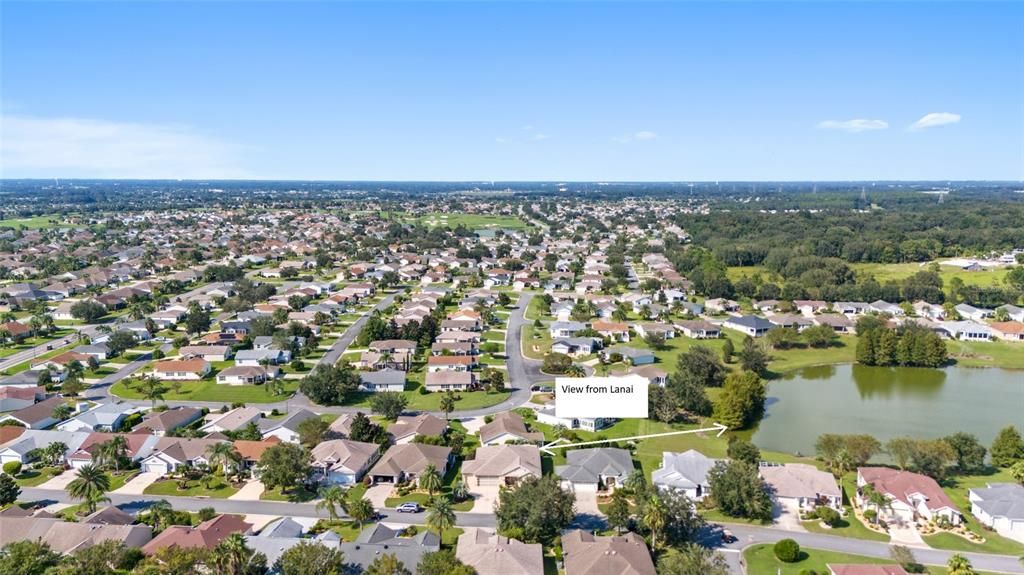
x: 1000, y: 507
x: 598, y: 468
x: 686, y: 472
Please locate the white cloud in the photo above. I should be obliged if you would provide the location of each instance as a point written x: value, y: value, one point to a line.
x: 854, y: 126
x: 935, y: 119
x: 539, y: 136
x: 642, y: 135
x: 83, y: 147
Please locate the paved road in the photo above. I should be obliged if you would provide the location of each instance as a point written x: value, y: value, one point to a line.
x: 352, y: 331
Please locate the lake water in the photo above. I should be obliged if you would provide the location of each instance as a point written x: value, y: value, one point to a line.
x: 888, y: 402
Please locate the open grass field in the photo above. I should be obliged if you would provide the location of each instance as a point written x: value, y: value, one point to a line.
x: 895, y: 272
x: 471, y: 221
x: 209, y: 390
x: 956, y: 487
x: 762, y: 561
x: 432, y: 401
x: 218, y: 489
x: 36, y: 223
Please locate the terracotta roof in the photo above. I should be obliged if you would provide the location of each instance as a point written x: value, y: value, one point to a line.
x: 10, y: 433
x: 208, y: 534
x: 189, y: 365
x: 1008, y: 326
x: 868, y: 569
x: 902, y: 484
x: 253, y: 450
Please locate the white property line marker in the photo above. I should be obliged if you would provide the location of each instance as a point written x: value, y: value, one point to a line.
x: 563, y: 442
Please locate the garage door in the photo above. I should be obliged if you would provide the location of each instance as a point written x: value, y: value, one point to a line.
x: 488, y: 481
x: 160, y: 468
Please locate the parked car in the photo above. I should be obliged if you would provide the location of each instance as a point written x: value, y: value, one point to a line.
x: 728, y: 537
x: 411, y: 507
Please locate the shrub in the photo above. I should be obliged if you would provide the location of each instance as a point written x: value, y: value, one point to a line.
x: 12, y: 468
x: 207, y: 513
x: 158, y: 354
x: 787, y: 551
x: 828, y: 515
x: 423, y: 390
x: 871, y: 515
x: 411, y: 531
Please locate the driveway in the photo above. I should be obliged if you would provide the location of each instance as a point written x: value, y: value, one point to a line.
x: 139, y: 483
x: 786, y: 515
x: 378, y: 493
x: 61, y: 481
x: 484, y: 498
x: 251, y: 491
x: 586, y: 503
x: 905, y: 533
x: 472, y: 424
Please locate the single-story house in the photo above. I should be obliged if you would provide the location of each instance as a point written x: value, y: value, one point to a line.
x: 595, y: 469
x: 450, y: 363
x: 182, y: 369
x: 612, y: 330
x: 751, y: 325
x: 445, y: 380
x: 560, y: 329
x: 698, y: 329
x: 584, y: 553
x: 407, y: 427
x: 232, y: 420
x: 247, y: 374
x: 342, y: 461
x: 382, y: 380
x: 103, y: 417
x: 686, y: 472
x: 287, y: 428
x: 36, y: 416
x: 1000, y: 507
x: 263, y: 356
x: 207, y: 352
x: 576, y: 346
x: 162, y: 422
x: 502, y: 465
x: 666, y: 330
x: 171, y: 453
x: 13, y: 398
x: 204, y: 536
x: 507, y: 426
x: 66, y: 537
x: 407, y: 461
x: 1008, y: 330
x: 802, y: 486
x: 911, y: 495
x: 631, y: 355
x: 490, y: 554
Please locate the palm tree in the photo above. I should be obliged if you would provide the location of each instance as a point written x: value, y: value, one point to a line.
x: 387, y: 564
x: 224, y: 455
x: 430, y: 480
x: 655, y: 514
x: 160, y: 511
x: 960, y: 565
x: 460, y: 491
x: 361, y: 510
x: 875, y: 498
x: 113, y: 452
x: 440, y: 516
x: 231, y: 555
x: 91, y: 486
x: 61, y: 412
x: 447, y: 403
x: 332, y: 499
x: 151, y: 388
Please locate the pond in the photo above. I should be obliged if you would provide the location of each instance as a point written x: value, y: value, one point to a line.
x: 888, y: 402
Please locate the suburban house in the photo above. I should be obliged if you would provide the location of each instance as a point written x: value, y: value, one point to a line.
x: 204, y: 536
x: 36, y: 416
x: 507, y: 426
x: 232, y: 420
x: 383, y: 380
x: 490, y: 554
x: 968, y: 330
x: 548, y: 416
x: 1000, y: 507
x: 882, y: 306
x: 342, y: 462
x: 801, y: 486
x: 652, y: 374
x: 630, y: 355
x: 182, y: 369
x: 450, y: 363
x: 865, y: 569
x: 1015, y: 313
x: 161, y: 422
x: 67, y: 537
x: 448, y: 380
x: 751, y: 325
x: 576, y: 346
x: 612, y: 330
x: 171, y: 453
x: 1008, y: 330
x: 968, y: 311
x: 250, y: 452
x: 103, y: 417
x: 407, y: 427
x: 138, y: 446
x: 501, y: 465
x: 595, y: 469
x: 22, y: 442
x: 257, y: 357
x: 698, y: 329
x: 287, y: 428
x: 560, y: 329
x: 686, y: 472
x: 247, y: 374
x: 584, y: 553
x: 407, y: 461
x: 720, y: 305
x: 645, y: 329
x: 838, y: 323
x: 15, y: 398
x: 912, y: 496
x: 207, y: 352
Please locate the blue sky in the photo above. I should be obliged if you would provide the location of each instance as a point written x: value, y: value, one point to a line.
x: 535, y: 91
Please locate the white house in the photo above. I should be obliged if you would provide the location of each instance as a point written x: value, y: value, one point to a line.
x: 1000, y: 507
x: 686, y: 472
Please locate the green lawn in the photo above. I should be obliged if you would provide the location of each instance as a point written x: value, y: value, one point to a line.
x: 209, y: 390
x: 849, y: 525
x: 957, y: 488
x: 34, y: 477
x: 761, y: 560
x: 294, y: 496
x: 471, y: 221
x: 987, y: 354
x: 117, y: 480
x: 37, y: 222
x: 895, y: 272
x: 218, y: 489
x: 27, y: 364
x: 432, y: 401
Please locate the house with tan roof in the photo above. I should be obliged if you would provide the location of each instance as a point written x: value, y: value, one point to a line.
x: 205, y: 536
x: 584, y: 553
x: 232, y: 420
x: 407, y: 427
x: 912, y: 496
x: 38, y: 415
x: 64, y: 537
x: 448, y: 380
x: 865, y: 569
x: 171, y: 453
x: 406, y: 462
x: 251, y: 451
x: 502, y: 465
x: 612, y: 330
x: 248, y: 374
x: 802, y: 486
x: 1008, y: 330
x: 182, y: 369
x: 507, y: 426
x: 342, y: 461
x: 491, y: 554
x: 161, y: 422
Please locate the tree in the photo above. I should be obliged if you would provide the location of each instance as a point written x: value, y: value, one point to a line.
x: 328, y: 384
x: 1017, y: 472
x: 535, y: 510
x: 820, y: 336
x: 932, y: 457
x: 309, y: 558
x: 312, y: 431
x: 440, y: 515
x: 442, y: 562
x: 197, y: 320
x: 113, y: 452
x: 738, y: 490
x: 682, y: 522
x: 175, y: 560
x: 91, y: 486
x: 844, y: 452
x: 119, y: 342
x: 556, y: 363
x: 1008, y: 447
x: 9, y: 490
x: 905, y: 558
x: 654, y: 518
x: 787, y: 550
x: 88, y: 311
x: 728, y: 350
x: 106, y: 558
x: 285, y: 465
x: 430, y: 480
x: 693, y: 559
x: 753, y: 357
x: 969, y: 452
x: 389, y: 404
x: 655, y: 340
x: 361, y: 510
x: 960, y: 565
x: 151, y: 388
x: 447, y: 403
x: 333, y: 498
x: 662, y: 404
x: 741, y: 402
x: 233, y: 557
x: 387, y: 564
x: 72, y: 386
x: 618, y: 512
x: 362, y: 429
x: 743, y: 450
x: 223, y: 455
x: 27, y: 558
x: 61, y: 412
x: 901, y: 449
